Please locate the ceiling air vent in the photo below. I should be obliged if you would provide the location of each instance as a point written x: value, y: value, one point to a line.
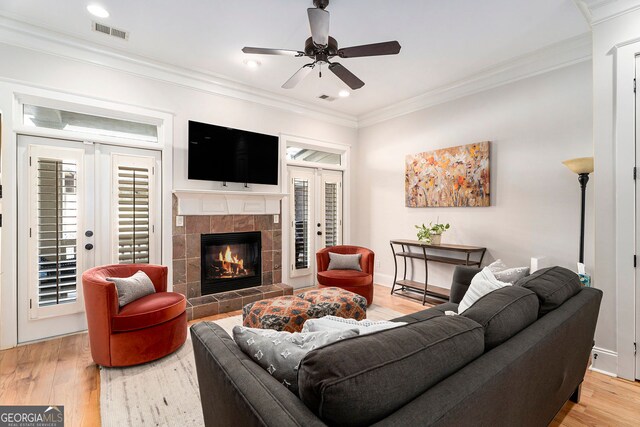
x: 105, y: 29
x: 327, y: 98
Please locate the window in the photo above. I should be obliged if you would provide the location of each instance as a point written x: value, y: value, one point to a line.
x: 133, y: 227
x: 50, y: 118
x: 313, y: 156
x: 57, y: 231
x: 301, y: 223
x: 331, y: 220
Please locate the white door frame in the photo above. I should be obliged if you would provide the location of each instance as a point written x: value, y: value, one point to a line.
x: 35, y: 321
x: 625, y: 220
x: 316, y: 221
x: 97, y: 212
x: 11, y: 94
x: 345, y: 167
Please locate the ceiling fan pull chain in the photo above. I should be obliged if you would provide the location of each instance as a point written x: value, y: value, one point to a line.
x: 320, y: 68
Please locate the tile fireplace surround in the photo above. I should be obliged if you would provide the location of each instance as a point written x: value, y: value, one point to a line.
x: 187, y: 267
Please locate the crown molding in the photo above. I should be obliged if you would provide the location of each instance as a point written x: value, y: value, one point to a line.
x: 598, y: 11
x: 559, y: 55
x: 18, y: 33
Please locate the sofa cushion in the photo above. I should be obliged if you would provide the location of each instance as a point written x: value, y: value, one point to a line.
x: 148, y: 311
x: 462, y: 276
x: 503, y: 313
x: 280, y: 352
x: 344, y: 261
x: 553, y: 286
x: 362, y: 380
x: 344, y: 278
x: 429, y: 313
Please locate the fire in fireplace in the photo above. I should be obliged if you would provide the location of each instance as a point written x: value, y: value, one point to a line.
x: 228, y: 266
x: 230, y: 261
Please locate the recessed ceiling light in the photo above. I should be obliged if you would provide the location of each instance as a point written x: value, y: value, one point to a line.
x: 97, y: 10
x: 344, y: 93
x: 251, y: 63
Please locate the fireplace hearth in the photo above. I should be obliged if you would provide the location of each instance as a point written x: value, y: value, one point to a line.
x: 230, y: 261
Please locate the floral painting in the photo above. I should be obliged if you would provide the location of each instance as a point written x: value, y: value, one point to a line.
x: 456, y: 176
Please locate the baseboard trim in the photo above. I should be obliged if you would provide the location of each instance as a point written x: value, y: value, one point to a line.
x: 382, y: 279
x: 604, y: 361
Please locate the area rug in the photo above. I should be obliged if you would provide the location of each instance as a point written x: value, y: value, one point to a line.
x: 165, y: 392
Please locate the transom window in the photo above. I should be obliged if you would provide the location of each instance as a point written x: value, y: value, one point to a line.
x: 50, y: 118
x: 301, y: 154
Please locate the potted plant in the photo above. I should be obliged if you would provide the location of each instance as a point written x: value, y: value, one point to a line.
x: 431, y: 234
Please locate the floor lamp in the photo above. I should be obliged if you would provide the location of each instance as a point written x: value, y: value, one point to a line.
x: 583, y: 166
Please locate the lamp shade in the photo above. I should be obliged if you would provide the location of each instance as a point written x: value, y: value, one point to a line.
x: 580, y: 165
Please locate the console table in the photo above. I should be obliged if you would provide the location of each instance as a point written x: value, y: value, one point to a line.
x: 420, y: 290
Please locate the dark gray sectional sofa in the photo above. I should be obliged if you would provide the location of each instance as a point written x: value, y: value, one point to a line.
x: 513, y: 358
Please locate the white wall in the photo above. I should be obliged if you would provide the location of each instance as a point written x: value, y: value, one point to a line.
x: 533, y: 125
x: 98, y: 80
x: 606, y: 35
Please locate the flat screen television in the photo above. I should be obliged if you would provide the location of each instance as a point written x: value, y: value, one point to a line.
x: 218, y: 153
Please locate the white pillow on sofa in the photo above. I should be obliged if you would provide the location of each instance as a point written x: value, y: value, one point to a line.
x: 481, y: 284
x: 506, y: 274
x: 334, y: 323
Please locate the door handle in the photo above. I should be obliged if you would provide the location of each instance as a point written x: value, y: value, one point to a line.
x: 88, y: 246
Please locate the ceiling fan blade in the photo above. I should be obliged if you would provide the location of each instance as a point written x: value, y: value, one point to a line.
x: 346, y: 76
x: 298, y: 77
x: 375, y: 49
x: 265, y: 51
x: 319, y: 23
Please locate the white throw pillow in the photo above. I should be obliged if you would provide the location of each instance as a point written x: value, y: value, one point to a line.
x: 334, y: 323
x: 505, y: 274
x: 481, y: 284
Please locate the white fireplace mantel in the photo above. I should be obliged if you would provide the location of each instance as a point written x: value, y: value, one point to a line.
x: 214, y: 202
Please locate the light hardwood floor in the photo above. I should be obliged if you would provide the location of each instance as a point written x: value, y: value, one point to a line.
x: 60, y: 372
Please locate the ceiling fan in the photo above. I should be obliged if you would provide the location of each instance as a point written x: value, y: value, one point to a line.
x: 322, y: 48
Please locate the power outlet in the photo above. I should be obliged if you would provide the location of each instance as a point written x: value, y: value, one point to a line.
x: 179, y: 221
x: 276, y: 219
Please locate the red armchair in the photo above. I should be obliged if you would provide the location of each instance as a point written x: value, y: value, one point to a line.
x: 359, y: 282
x: 141, y: 331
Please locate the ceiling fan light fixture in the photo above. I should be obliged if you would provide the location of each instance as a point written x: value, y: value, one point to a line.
x: 252, y: 63
x: 98, y: 11
x: 344, y: 93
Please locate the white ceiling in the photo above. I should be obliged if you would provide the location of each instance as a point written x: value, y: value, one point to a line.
x: 442, y: 41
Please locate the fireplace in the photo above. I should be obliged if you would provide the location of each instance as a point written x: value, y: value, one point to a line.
x: 230, y: 261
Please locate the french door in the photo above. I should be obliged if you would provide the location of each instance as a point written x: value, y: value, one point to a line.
x: 315, y: 207
x: 637, y: 198
x: 80, y: 205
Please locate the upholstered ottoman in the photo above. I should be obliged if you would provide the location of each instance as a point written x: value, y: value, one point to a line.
x: 337, y: 302
x: 288, y: 313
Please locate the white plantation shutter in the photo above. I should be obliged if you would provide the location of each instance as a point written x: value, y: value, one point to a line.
x: 301, y: 209
x: 134, y: 210
x: 331, y: 224
x: 55, y: 219
x: 301, y: 223
x: 332, y: 207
